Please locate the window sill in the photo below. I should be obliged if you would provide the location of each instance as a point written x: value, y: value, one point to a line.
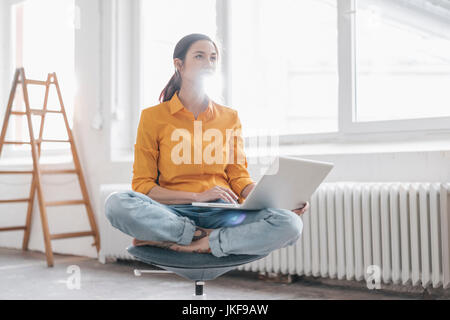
x: 338, y: 148
x: 342, y: 148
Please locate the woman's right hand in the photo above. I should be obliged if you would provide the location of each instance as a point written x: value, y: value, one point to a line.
x: 215, y: 193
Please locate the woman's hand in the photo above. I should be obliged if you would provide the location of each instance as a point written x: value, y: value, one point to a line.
x: 217, y: 193
x: 302, y: 210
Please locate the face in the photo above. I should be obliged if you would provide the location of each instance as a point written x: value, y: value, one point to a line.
x: 200, y: 62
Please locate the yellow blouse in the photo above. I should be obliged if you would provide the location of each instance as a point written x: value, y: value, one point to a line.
x: 179, y: 152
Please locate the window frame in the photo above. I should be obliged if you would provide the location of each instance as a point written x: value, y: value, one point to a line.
x: 347, y: 106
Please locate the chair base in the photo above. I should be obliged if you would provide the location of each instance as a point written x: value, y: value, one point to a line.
x: 199, y: 295
x: 197, y: 274
x: 199, y: 267
x: 199, y: 285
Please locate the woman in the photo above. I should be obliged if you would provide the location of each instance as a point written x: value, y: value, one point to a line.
x: 166, y: 180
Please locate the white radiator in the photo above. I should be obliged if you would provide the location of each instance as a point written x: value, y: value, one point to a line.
x: 403, y: 228
x: 113, y: 241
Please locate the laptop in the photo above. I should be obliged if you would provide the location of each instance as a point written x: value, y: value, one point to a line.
x: 287, y: 184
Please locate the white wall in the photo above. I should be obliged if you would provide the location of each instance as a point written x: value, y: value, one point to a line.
x: 93, y: 148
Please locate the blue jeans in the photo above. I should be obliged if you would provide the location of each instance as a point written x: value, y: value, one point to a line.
x: 255, y: 232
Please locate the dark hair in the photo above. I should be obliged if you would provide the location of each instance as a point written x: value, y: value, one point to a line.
x: 180, y: 51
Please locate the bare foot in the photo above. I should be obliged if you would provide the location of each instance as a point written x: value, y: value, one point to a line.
x: 200, y: 243
x: 164, y: 245
x: 198, y: 246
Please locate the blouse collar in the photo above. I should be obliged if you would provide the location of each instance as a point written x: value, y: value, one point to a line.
x: 176, y: 105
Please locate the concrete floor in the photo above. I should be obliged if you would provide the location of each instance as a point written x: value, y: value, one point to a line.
x: 25, y: 275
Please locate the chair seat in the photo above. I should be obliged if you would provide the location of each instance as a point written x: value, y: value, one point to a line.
x: 193, y: 266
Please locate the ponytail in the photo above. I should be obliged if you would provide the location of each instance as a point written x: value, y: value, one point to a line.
x: 172, y: 86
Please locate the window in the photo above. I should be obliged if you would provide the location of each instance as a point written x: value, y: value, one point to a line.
x: 403, y: 60
x: 284, y: 65
x: 42, y: 37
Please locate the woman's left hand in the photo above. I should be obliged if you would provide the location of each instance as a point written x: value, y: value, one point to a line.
x: 302, y: 210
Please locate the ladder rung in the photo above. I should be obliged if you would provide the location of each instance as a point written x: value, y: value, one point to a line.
x: 34, y: 111
x: 19, y: 113
x: 15, y: 200
x: 58, y: 171
x: 13, y: 228
x: 64, y: 203
x: 17, y: 142
x: 71, y: 235
x: 15, y: 172
x: 50, y: 140
x: 37, y: 82
x: 39, y: 111
x: 37, y: 141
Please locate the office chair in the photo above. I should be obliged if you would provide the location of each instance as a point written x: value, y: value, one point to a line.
x: 199, y: 267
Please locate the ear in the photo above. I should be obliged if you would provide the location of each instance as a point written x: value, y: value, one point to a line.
x: 177, y: 63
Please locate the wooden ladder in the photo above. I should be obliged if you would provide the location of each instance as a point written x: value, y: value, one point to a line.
x: 36, y: 185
